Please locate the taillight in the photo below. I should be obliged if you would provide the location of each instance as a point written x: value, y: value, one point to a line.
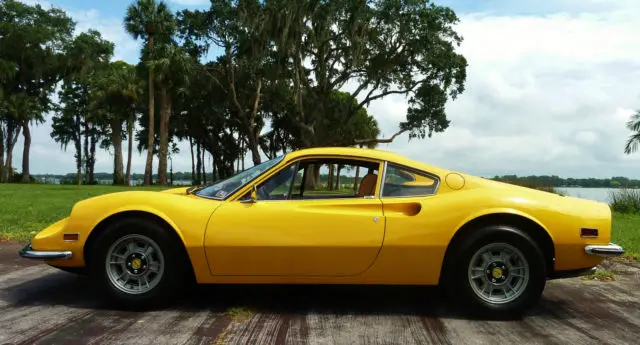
x: 588, y: 232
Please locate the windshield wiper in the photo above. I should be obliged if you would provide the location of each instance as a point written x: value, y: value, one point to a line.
x: 194, y: 189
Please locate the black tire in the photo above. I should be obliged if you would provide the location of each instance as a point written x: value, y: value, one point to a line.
x: 457, y: 280
x: 175, y: 273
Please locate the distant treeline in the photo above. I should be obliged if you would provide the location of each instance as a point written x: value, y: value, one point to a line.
x: 533, y: 181
x: 556, y: 181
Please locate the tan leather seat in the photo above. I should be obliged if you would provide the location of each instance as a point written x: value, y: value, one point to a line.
x: 368, y: 185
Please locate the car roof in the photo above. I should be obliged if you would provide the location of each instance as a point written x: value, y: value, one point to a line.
x: 366, y: 152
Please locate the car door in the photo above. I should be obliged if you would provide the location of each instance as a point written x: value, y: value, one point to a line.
x: 288, y: 231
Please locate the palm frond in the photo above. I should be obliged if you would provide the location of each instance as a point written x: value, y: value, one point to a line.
x: 634, y: 123
x: 632, y: 144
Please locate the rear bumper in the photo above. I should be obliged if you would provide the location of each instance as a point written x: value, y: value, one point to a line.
x: 28, y: 253
x: 610, y: 250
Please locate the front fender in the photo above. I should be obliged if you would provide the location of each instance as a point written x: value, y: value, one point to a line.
x: 137, y: 208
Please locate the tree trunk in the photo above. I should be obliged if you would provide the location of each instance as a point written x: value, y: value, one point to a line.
x: 116, y: 140
x: 26, y: 133
x: 165, y: 109
x: 92, y: 157
x: 204, y: 170
x: 87, y: 157
x: 238, y: 160
x: 13, y: 132
x: 338, y: 177
x: 198, y: 163
x: 313, y: 175
x: 213, y: 169
x: 129, y: 148
x: 77, y: 143
x: 1, y: 152
x: 193, y: 166
x: 148, y: 169
x: 253, y: 145
x: 330, y: 180
x: 242, y: 155
x: 355, y: 180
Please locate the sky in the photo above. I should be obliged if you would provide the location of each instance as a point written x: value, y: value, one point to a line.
x: 550, y: 87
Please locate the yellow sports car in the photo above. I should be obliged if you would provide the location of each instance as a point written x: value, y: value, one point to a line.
x: 334, y: 216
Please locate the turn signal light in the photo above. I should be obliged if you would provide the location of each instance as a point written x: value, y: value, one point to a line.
x: 588, y: 232
x: 70, y: 237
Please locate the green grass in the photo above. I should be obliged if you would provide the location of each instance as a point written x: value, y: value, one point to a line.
x: 601, y: 275
x: 626, y: 233
x: 26, y: 209
x: 29, y: 208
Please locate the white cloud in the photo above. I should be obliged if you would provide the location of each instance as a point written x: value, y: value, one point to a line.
x: 544, y: 95
x: 112, y: 29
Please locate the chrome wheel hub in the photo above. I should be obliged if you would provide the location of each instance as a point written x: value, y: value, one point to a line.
x: 134, y: 264
x: 498, y: 273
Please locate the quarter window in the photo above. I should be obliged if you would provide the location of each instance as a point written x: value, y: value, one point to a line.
x: 400, y: 182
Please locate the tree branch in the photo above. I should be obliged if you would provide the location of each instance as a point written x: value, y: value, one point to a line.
x: 256, y: 103
x: 386, y: 93
x: 232, y: 84
x: 378, y: 141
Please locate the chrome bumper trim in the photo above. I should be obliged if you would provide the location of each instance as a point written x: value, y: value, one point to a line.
x: 610, y: 250
x: 28, y: 253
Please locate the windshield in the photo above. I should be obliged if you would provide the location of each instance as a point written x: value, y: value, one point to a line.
x: 222, y: 189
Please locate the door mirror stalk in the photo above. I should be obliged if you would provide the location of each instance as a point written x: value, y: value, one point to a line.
x: 253, y: 196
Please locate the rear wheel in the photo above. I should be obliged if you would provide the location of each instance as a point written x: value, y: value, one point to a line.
x: 138, y: 263
x: 498, y: 271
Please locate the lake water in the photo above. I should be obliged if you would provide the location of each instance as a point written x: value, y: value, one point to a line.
x: 597, y: 194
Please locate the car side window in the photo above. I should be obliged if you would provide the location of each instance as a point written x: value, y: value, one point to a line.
x: 403, y: 182
x: 335, y: 178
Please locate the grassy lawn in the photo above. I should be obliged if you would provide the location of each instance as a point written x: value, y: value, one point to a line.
x: 27, y: 209
x: 626, y: 233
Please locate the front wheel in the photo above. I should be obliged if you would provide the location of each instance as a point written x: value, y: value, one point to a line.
x: 498, y: 271
x: 138, y: 263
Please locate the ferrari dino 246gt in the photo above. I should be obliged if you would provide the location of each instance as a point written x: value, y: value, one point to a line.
x: 334, y: 216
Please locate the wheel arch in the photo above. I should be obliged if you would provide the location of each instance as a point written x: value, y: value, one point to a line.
x: 530, y: 226
x: 156, y: 218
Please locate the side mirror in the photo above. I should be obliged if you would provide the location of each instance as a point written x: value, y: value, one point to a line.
x: 253, y: 196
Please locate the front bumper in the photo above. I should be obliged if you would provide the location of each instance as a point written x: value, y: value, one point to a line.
x: 28, y: 253
x: 610, y: 250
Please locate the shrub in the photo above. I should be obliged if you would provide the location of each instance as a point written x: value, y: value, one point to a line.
x: 17, y: 178
x: 625, y: 200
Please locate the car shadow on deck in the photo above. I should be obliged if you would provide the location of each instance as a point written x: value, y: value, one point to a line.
x: 66, y: 289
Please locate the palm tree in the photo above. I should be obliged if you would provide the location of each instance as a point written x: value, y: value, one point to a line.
x: 149, y: 19
x: 634, y: 140
x: 116, y: 92
x: 173, y: 67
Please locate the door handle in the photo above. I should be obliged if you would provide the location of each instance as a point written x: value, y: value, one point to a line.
x: 405, y: 208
